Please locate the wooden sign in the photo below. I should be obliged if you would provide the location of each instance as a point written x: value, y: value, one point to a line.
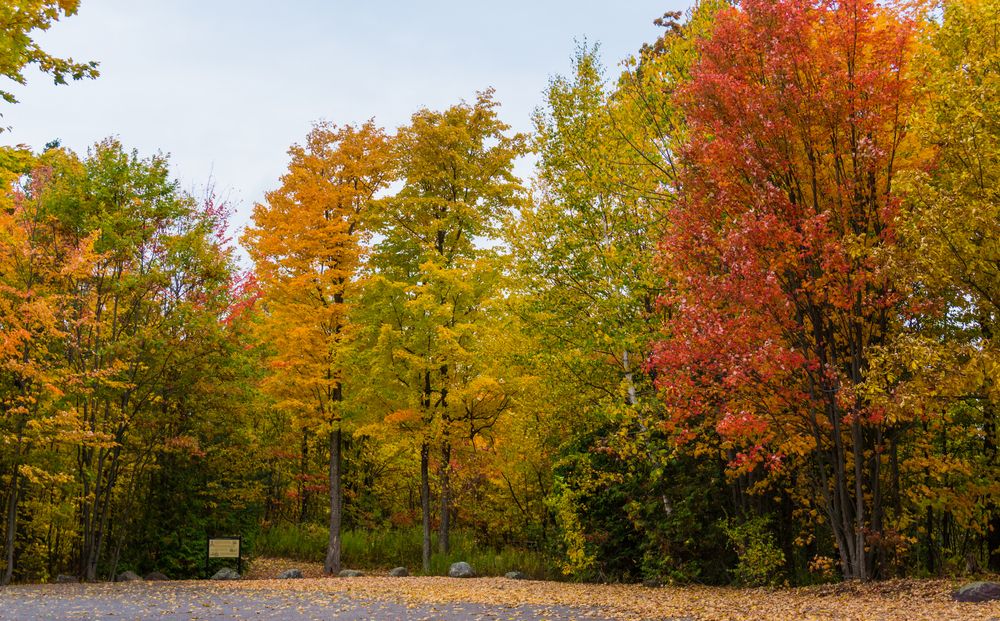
x: 224, y: 548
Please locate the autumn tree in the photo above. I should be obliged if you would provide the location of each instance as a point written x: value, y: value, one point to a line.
x: 945, y: 365
x: 120, y: 313
x: 19, y: 19
x: 588, y: 284
x: 797, y: 115
x: 305, y: 244
x: 121, y: 289
x: 35, y: 258
x: 139, y: 317
x: 432, y: 280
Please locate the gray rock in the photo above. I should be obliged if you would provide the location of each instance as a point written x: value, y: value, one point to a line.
x: 289, y: 574
x: 399, y: 572
x: 515, y: 575
x: 977, y: 592
x: 351, y: 573
x: 66, y: 579
x: 226, y: 574
x: 128, y: 576
x: 155, y: 576
x: 461, y: 570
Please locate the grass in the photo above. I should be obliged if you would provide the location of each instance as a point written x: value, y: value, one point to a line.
x: 381, y: 550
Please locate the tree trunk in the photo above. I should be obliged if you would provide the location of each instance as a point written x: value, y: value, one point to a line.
x: 993, y: 509
x: 425, y: 503
x: 303, y: 477
x: 332, y: 564
x: 929, y: 535
x: 443, y: 526
x: 92, y: 528
x: 113, y: 571
x: 107, y: 477
x: 993, y: 539
x: 12, y: 498
x: 860, y: 557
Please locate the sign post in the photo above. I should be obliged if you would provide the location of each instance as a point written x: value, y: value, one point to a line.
x: 225, y: 547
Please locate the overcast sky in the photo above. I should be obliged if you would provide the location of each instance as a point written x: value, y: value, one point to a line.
x: 225, y: 86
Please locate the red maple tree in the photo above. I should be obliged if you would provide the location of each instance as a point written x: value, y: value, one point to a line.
x: 777, y: 249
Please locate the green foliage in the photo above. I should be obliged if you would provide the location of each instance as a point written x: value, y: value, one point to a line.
x: 624, y: 519
x: 18, y: 21
x: 139, y: 437
x: 305, y: 542
x: 386, y: 548
x: 626, y: 504
x: 760, y: 560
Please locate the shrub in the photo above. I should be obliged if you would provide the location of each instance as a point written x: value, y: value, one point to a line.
x: 760, y: 560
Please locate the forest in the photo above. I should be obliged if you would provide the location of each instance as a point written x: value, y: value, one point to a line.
x: 738, y: 326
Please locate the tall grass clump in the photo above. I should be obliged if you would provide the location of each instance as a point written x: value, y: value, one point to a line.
x: 384, y: 549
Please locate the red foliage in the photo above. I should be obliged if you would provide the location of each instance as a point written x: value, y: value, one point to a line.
x: 796, y: 111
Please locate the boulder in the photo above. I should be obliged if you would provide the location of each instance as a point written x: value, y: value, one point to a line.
x: 398, y: 572
x: 461, y: 570
x: 290, y: 574
x: 66, y: 579
x: 515, y: 575
x: 155, y: 576
x: 351, y: 573
x: 226, y: 574
x: 977, y: 592
x: 128, y: 576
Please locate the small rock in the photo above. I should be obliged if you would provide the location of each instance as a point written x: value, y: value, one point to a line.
x: 128, y: 576
x: 515, y: 575
x: 977, y: 592
x: 155, y: 576
x: 226, y: 574
x: 461, y: 570
x: 66, y: 579
x: 398, y: 572
x: 351, y: 573
x: 289, y: 574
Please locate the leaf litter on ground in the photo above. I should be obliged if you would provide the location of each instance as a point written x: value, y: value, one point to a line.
x: 387, y: 597
x: 890, y: 600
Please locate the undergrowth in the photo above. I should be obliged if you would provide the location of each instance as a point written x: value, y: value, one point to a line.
x: 381, y: 550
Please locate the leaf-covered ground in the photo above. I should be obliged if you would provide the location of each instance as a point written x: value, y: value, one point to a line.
x: 894, y: 600
x: 183, y: 601
x: 482, y: 598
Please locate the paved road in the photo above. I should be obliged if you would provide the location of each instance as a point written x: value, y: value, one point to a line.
x: 209, y: 601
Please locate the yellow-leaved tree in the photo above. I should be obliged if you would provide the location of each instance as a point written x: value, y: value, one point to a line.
x: 432, y: 299
x: 942, y: 370
x: 305, y: 245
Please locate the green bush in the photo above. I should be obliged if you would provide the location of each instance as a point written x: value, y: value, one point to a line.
x: 760, y: 560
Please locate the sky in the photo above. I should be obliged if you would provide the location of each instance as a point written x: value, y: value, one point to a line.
x: 226, y: 86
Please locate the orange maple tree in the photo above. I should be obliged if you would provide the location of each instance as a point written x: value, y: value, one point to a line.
x: 305, y: 244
